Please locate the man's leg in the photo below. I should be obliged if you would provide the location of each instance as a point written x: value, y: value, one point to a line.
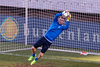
x: 43, y: 50
x: 39, y: 56
x: 45, y: 45
x: 33, y: 53
x: 33, y: 50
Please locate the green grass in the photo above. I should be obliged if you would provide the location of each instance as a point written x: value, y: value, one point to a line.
x: 20, y: 61
x: 62, y: 55
x: 50, y: 59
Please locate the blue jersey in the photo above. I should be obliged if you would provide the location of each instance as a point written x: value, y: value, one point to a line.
x: 55, y: 29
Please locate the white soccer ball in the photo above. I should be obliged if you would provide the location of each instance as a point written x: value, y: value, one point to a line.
x: 66, y: 13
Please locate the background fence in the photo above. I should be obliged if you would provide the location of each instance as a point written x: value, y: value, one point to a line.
x: 26, y: 21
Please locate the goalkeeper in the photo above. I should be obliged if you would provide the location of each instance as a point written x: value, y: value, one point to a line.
x: 52, y: 33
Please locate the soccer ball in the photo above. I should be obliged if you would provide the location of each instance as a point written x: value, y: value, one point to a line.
x: 66, y: 13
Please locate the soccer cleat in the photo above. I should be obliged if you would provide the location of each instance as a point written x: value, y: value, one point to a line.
x: 33, y: 62
x: 31, y: 57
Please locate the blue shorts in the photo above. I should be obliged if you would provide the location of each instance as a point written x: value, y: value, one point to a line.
x: 44, y: 43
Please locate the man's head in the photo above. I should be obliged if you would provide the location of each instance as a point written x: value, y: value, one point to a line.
x: 61, y: 19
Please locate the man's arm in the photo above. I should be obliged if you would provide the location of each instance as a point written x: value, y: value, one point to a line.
x: 56, y: 17
x: 67, y: 23
x: 66, y: 26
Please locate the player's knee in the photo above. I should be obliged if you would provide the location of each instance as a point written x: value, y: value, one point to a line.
x: 41, y: 54
x: 33, y: 48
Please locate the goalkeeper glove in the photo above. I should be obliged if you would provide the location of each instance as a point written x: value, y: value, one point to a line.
x: 69, y: 17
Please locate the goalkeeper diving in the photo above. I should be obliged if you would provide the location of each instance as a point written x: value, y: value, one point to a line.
x: 51, y: 34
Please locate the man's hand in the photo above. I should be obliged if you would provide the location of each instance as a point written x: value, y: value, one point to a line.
x: 69, y: 17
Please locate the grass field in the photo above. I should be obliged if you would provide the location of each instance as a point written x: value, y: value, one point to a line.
x: 50, y: 59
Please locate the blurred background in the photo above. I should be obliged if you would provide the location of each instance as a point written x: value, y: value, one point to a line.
x: 23, y: 22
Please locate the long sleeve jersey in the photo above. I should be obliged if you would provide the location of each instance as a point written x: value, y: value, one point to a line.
x: 55, y: 29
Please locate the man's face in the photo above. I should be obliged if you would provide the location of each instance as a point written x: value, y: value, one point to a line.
x: 61, y: 20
